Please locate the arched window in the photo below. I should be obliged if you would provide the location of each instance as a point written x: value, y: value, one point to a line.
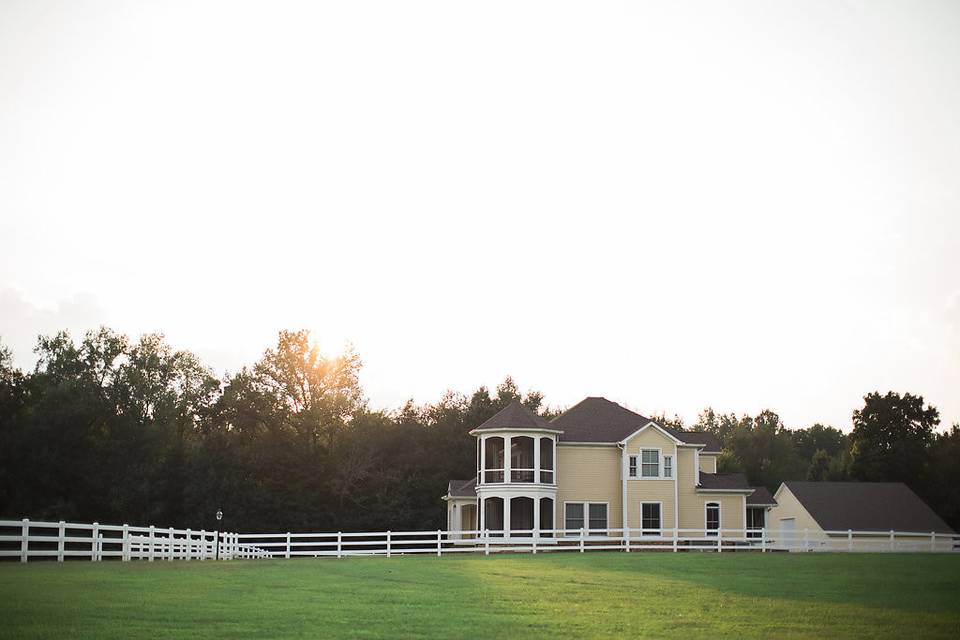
x: 712, y: 516
x: 493, y: 516
x: 546, y: 517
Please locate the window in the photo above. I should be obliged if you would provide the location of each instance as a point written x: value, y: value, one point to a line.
x: 546, y: 460
x: 667, y: 466
x: 755, y: 522
x: 713, y: 518
x: 574, y: 515
x: 586, y: 515
x: 633, y: 466
x: 598, y: 517
x: 650, y: 518
x: 650, y: 463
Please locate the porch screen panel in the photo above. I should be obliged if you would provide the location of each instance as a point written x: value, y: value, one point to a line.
x: 521, y: 459
x: 493, y: 470
x: 546, y: 516
x: 546, y: 460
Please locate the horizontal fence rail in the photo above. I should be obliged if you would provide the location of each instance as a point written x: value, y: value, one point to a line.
x: 26, y: 540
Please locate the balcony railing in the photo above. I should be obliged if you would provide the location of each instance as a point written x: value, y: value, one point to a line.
x: 519, y: 476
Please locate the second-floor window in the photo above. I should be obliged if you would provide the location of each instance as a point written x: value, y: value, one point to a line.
x: 650, y: 463
x: 633, y: 466
x: 667, y: 466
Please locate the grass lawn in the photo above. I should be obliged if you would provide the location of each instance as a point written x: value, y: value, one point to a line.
x: 567, y: 595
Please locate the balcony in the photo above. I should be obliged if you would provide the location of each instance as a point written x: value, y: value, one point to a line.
x: 530, y: 461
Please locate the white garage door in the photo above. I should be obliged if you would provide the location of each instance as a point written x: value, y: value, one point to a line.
x: 788, y: 532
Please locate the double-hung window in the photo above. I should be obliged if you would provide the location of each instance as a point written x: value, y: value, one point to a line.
x: 586, y: 515
x: 598, y: 518
x: 667, y: 466
x: 574, y: 515
x: 633, y: 466
x: 650, y: 463
x: 650, y: 518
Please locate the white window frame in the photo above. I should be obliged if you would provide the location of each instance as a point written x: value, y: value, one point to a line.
x: 706, y: 507
x: 659, y: 463
x: 632, y: 466
x: 651, y: 532
x: 586, y: 516
x: 668, y: 476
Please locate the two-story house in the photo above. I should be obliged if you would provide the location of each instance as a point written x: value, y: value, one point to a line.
x: 595, y: 467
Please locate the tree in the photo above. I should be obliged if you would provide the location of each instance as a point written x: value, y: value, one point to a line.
x: 763, y: 449
x: 890, y: 437
x: 942, y: 479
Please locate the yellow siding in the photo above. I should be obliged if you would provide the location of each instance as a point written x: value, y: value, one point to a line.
x: 589, y: 474
x: 708, y: 464
x: 789, y: 507
x: 691, y: 508
x: 639, y: 490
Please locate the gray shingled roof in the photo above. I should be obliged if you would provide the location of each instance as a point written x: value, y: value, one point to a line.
x: 866, y: 506
x: 462, y: 488
x: 600, y: 420
x: 761, y: 496
x: 733, y: 481
x: 515, y: 416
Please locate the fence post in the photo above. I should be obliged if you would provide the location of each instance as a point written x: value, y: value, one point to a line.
x: 153, y: 543
x: 893, y: 545
x: 189, y: 544
x: 339, y: 544
x: 719, y: 540
x: 61, y: 543
x: 763, y: 540
x: 439, y: 546
x: 626, y: 536
x: 388, y: 544
x: 125, y: 544
x: 581, y: 539
x: 100, y: 547
x: 170, y: 544
x: 849, y: 539
x: 675, y: 535
x: 93, y: 541
x: 486, y: 542
x: 933, y: 541
x: 24, y: 539
x: 806, y: 539
x: 287, y: 556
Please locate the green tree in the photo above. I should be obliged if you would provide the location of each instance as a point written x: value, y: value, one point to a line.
x: 890, y: 438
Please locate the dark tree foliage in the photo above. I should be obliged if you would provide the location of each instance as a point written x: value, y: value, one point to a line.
x: 891, y: 438
x: 116, y: 431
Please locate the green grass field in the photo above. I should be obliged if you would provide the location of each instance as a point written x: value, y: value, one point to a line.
x: 544, y: 596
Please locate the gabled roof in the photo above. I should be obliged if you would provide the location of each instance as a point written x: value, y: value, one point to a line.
x: 462, y: 488
x: 515, y: 416
x: 866, y: 506
x: 724, y: 481
x: 760, y: 497
x: 597, y: 419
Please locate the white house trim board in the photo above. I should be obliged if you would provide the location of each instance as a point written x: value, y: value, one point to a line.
x: 669, y: 436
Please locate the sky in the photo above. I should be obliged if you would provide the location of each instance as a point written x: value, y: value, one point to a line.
x: 673, y: 205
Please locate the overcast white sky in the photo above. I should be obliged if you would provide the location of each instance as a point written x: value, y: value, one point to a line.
x: 673, y: 205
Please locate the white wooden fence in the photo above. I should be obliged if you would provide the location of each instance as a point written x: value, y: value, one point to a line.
x: 61, y: 540
x: 26, y: 539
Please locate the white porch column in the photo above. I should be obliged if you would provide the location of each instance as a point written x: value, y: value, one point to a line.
x: 481, y: 521
x: 507, y: 445
x: 506, y: 517
x: 536, y: 459
x: 483, y: 459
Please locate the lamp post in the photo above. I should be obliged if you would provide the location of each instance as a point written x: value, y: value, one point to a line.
x: 216, y: 555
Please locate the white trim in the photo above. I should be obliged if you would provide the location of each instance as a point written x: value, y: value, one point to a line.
x: 517, y: 430
x: 655, y: 426
x: 656, y: 502
x: 673, y: 467
x: 696, y: 467
x: 565, y: 443
x: 745, y: 492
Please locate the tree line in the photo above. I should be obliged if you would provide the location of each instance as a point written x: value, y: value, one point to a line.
x: 114, y: 430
